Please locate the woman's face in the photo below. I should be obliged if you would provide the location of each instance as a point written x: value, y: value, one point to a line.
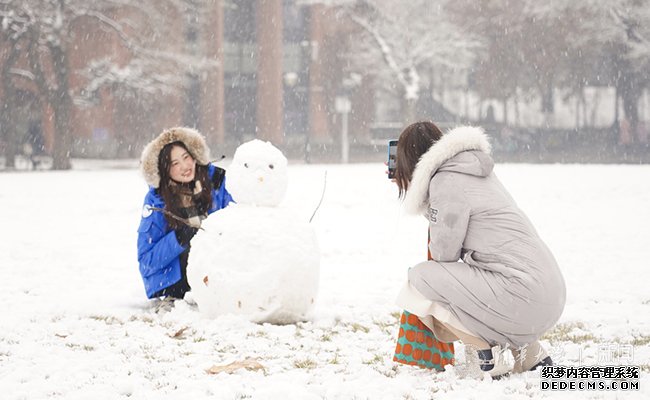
x: 181, y: 165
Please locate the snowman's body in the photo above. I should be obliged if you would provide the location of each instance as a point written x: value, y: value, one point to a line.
x: 254, y: 258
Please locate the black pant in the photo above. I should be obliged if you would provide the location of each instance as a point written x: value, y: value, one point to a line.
x: 178, y: 289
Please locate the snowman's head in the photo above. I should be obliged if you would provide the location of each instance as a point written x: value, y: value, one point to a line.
x: 258, y: 174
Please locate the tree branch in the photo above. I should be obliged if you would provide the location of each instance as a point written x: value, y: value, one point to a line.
x: 384, y: 48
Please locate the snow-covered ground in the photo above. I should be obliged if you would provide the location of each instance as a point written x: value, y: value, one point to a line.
x: 75, y: 322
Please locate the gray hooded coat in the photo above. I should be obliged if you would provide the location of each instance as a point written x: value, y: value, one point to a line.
x: 508, y: 288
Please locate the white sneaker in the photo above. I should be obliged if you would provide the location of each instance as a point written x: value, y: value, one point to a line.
x: 530, y: 357
x: 501, y: 368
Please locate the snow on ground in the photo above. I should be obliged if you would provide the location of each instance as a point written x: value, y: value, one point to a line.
x: 75, y: 322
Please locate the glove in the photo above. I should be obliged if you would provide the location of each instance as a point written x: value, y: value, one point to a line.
x: 184, y: 234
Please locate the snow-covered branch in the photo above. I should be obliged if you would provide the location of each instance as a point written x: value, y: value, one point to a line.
x: 410, y: 85
x: 402, y: 40
x: 22, y: 73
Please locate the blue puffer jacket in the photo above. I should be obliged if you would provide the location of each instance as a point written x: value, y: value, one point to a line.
x: 158, y: 248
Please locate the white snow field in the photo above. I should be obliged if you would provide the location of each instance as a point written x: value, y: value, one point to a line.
x: 75, y: 322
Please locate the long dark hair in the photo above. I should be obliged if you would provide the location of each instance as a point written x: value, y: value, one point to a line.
x: 413, y: 142
x: 172, y: 200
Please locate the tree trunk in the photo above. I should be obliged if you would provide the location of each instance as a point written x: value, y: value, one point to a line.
x: 616, y: 116
x: 63, y: 140
x: 62, y: 105
x: 630, y: 106
x: 594, y: 109
x: 409, y: 106
x: 548, y: 103
x: 577, y: 105
x: 6, y: 121
x: 8, y: 135
x: 517, y: 111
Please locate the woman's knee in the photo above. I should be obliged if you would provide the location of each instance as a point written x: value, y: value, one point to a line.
x: 419, y: 276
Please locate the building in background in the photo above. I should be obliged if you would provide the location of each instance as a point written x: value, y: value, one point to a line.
x: 279, y: 70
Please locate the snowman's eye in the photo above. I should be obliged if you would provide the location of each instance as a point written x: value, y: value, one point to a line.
x: 271, y: 166
x: 246, y: 165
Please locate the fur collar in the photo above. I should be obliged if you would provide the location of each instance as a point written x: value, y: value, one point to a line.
x: 194, y: 141
x: 455, y: 141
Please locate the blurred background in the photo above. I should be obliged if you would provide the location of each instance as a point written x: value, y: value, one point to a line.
x: 325, y: 81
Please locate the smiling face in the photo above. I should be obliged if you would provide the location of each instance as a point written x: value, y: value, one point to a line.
x: 182, y: 166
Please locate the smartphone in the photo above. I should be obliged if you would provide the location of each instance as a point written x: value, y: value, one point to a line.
x: 392, y: 158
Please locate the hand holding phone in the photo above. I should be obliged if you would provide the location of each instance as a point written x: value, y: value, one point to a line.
x: 392, y: 158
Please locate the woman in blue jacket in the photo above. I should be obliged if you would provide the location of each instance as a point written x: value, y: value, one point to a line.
x: 184, y: 188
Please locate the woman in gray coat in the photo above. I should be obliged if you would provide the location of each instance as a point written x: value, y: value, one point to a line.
x: 493, y: 281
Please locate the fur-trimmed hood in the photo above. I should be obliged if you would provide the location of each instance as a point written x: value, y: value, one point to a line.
x: 439, y: 158
x: 194, y: 141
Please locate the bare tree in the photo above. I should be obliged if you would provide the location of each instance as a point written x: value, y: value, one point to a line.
x: 142, y: 27
x: 501, y: 69
x: 608, y: 43
x: 398, y: 41
x: 10, y: 44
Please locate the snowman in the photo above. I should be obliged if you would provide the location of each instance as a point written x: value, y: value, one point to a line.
x: 255, y: 258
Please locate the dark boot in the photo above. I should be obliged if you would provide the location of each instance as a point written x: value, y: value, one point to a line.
x: 494, y: 366
x: 486, y: 360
